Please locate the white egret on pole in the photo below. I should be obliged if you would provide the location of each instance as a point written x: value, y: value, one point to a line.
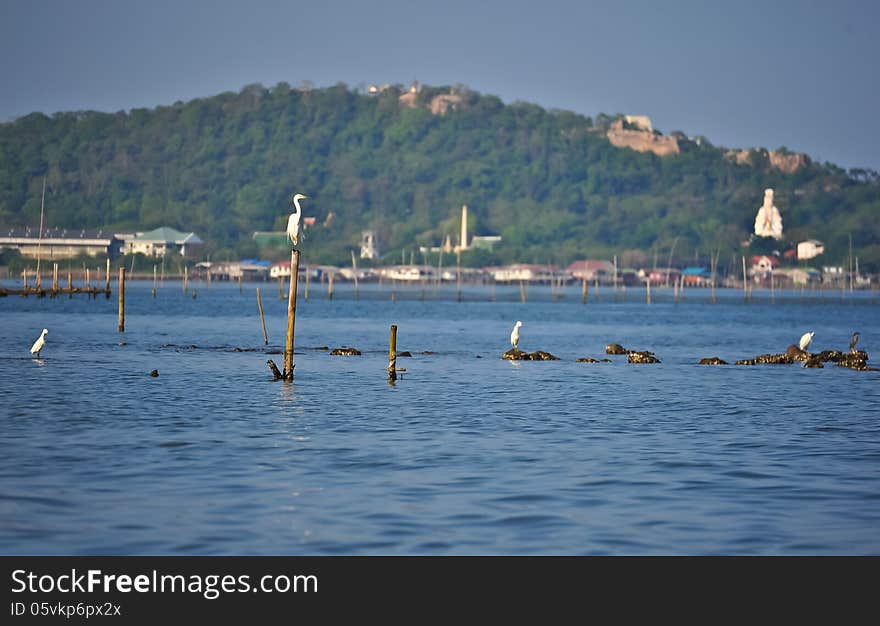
x: 806, y: 340
x: 294, y: 220
x: 514, y: 335
x: 39, y: 343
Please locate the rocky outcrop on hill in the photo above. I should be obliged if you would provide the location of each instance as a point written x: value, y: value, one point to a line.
x: 641, y: 140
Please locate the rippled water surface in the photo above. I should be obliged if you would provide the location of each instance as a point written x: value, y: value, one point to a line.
x: 466, y: 454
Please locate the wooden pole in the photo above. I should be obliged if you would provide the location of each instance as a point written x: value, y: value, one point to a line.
x: 107, y: 283
x: 55, y: 277
x: 745, y: 282
x: 185, y: 279
x: 280, y: 286
x: 308, y: 277
x: 239, y: 283
x: 392, y: 354
x: 291, y: 316
x: 584, y: 290
x: 262, y: 319
x: 155, y: 278
x: 522, y: 291
x: 648, y: 289
x: 330, y: 285
x: 122, y: 299
x: 458, y: 273
x: 354, y: 270
x: 88, y: 281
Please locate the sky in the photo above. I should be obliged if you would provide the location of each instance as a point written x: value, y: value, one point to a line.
x: 742, y: 73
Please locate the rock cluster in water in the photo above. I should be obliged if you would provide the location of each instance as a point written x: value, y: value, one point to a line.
x: 521, y: 355
x: 643, y: 356
x: 632, y: 356
x: 345, y: 352
x: 592, y: 360
x: 856, y: 359
x: 768, y: 359
x: 714, y: 360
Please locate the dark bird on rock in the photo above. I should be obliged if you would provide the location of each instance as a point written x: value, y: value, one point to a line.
x: 853, y: 342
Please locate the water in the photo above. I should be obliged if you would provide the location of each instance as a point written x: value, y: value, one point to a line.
x: 466, y: 454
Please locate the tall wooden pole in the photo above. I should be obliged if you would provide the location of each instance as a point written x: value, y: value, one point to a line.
x: 262, y: 319
x: 648, y: 288
x: 291, y: 316
x: 155, y: 280
x: 392, y: 354
x: 354, y: 269
x: 745, y: 282
x: 122, y: 299
x: 308, y: 279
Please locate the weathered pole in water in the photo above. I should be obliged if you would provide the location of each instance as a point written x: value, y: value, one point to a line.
x: 280, y: 285
x: 392, y: 354
x: 107, y: 284
x: 458, y: 273
x: 55, y: 277
x: 122, y: 299
x: 262, y: 319
x: 354, y: 271
x: 522, y: 291
x: 308, y: 275
x: 585, y: 290
x: 648, y: 289
x: 287, y: 373
x: 155, y: 283
x: 745, y: 282
x: 239, y: 284
x: 185, y: 279
x: 329, y: 285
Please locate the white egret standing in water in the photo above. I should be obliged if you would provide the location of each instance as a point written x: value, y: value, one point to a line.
x: 39, y: 343
x: 514, y: 335
x: 806, y: 340
x: 294, y: 220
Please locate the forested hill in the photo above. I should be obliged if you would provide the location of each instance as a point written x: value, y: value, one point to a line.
x: 549, y: 182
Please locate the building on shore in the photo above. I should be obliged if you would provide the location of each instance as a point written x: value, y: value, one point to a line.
x: 58, y: 243
x: 162, y: 241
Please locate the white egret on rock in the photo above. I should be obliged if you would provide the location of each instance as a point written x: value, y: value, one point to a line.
x: 806, y: 340
x: 514, y: 335
x: 294, y: 220
x: 39, y: 343
x: 853, y: 342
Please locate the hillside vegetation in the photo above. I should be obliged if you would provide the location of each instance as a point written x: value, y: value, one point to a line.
x: 548, y: 182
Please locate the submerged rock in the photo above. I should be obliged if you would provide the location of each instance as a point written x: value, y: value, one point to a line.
x: 768, y: 359
x: 592, y: 360
x: 615, y: 348
x: 634, y: 356
x: 714, y: 360
x: 813, y: 361
x: 154, y: 373
x: 521, y: 355
x: 345, y: 352
x: 404, y: 353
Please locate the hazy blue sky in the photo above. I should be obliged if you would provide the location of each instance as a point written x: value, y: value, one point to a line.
x: 743, y: 73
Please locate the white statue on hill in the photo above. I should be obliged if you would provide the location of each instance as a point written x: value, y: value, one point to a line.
x: 768, y: 221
